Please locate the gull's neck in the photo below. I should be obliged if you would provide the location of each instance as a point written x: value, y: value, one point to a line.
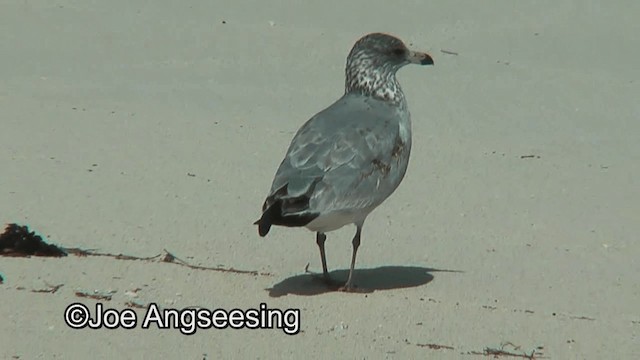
x: 365, y: 77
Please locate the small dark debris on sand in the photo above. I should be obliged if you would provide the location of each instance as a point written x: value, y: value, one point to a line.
x: 17, y: 240
x: 436, y: 346
x: 95, y: 296
x: 50, y: 289
x: 135, y: 304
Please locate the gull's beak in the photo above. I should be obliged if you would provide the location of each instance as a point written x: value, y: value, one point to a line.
x: 419, y: 58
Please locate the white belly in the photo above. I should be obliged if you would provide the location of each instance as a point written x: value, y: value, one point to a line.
x: 337, y: 219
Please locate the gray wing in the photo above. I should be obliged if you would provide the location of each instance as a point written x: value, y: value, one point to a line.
x: 349, y: 156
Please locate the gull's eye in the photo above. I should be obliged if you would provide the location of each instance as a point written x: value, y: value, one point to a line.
x: 398, y: 52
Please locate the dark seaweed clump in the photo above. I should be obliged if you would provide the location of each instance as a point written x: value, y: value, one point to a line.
x: 17, y: 240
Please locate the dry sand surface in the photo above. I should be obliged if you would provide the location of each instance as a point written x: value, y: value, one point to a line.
x: 138, y: 127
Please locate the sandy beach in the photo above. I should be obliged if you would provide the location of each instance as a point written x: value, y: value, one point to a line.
x: 148, y: 133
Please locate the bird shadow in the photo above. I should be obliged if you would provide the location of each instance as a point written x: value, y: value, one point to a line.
x: 366, y: 280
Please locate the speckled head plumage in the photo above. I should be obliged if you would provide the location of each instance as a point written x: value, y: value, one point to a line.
x: 372, y: 65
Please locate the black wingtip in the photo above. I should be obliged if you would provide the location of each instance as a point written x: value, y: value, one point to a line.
x: 263, y: 227
x: 264, y: 223
x: 272, y: 215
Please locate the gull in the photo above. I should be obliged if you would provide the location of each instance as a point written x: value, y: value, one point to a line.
x: 347, y: 159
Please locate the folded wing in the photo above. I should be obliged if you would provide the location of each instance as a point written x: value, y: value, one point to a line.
x: 349, y: 156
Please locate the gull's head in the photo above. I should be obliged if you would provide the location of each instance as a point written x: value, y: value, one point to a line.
x: 373, y: 62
